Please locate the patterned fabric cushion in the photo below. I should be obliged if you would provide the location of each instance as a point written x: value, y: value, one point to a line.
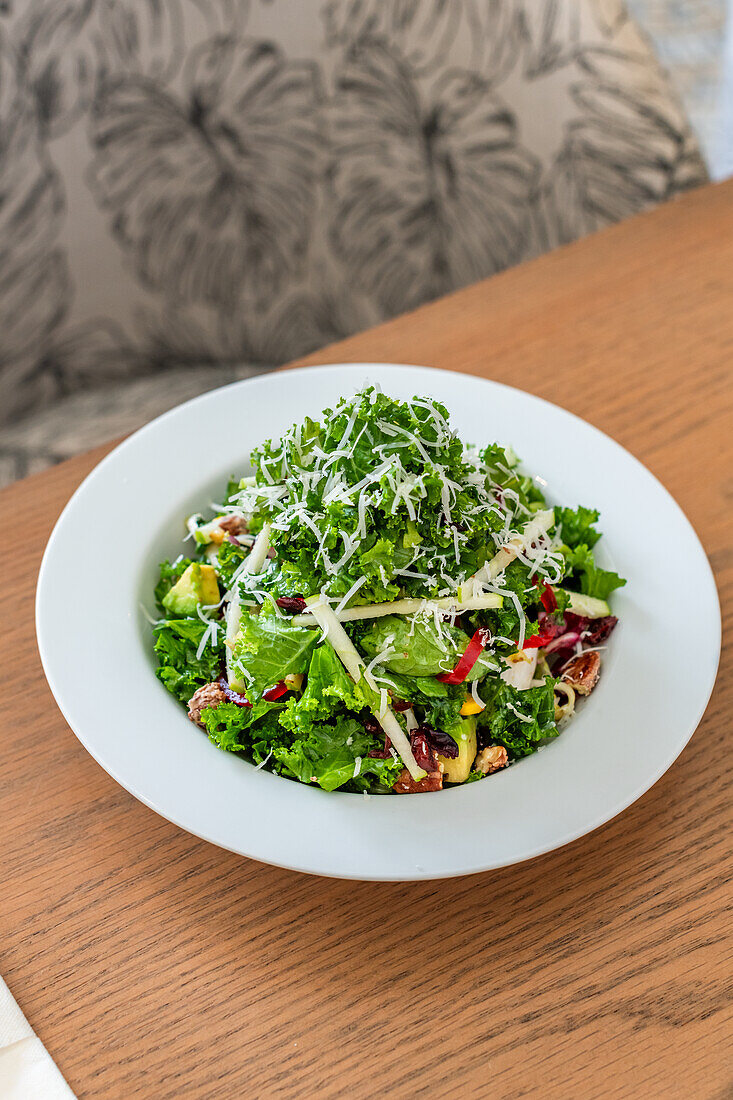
x: 85, y: 419
x: 189, y: 185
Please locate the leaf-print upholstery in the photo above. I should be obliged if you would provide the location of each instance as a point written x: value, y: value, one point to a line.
x: 621, y: 153
x: 56, y: 59
x: 554, y: 30
x: 142, y: 36
x: 422, y: 29
x: 432, y: 190
x: 34, y: 286
x: 213, y: 193
x: 193, y: 189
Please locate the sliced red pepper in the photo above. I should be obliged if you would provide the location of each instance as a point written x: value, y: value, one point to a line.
x: 547, y: 598
x: 470, y: 656
x: 538, y: 640
x: 549, y: 601
x: 275, y: 692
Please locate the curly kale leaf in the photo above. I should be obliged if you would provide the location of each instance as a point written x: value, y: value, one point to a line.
x: 232, y: 488
x: 502, y: 465
x: 325, y: 756
x: 576, y: 526
x: 500, y: 723
x: 329, y: 692
x: 593, y: 581
x: 382, y: 431
x: 579, y: 537
x: 228, y: 560
x: 176, y: 644
x: 236, y: 729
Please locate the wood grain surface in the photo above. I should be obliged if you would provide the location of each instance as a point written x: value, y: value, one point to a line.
x: 152, y: 964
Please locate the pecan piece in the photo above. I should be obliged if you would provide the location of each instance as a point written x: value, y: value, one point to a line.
x: 405, y: 784
x: 210, y: 695
x: 491, y: 759
x: 582, y: 672
x: 234, y: 525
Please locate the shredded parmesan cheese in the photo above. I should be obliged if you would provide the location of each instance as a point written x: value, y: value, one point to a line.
x: 348, y: 655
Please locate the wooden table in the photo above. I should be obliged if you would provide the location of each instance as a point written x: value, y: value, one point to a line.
x: 154, y: 965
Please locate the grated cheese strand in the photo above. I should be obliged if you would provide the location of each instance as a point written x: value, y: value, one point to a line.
x: 352, y: 662
x: 533, y: 530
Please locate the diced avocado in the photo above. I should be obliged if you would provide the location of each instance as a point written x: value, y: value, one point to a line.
x: 196, y: 585
x: 587, y: 606
x: 457, y: 769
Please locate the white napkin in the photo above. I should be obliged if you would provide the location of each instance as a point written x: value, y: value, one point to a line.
x: 27, y: 1071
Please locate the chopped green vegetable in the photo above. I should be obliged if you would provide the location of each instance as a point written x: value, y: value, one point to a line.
x: 417, y: 649
x: 599, y: 583
x: 228, y: 560
x: 522, y: 721
x: 386, y: 554
x: 576, y: 526
x: 329, y: 691
x: 229, y: 726
x: 180, y: 669
x: 332, y: 756
x: 268, y: 649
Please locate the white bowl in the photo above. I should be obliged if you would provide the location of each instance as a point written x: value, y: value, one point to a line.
x: 101, y: 564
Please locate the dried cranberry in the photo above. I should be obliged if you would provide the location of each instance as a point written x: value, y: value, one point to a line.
x: 400, y: 704
x: 381, y: 754
x: 423, y: 753
x: 600, y: 629
x: 294, y: 604
x: 371, y: 725
x: 439, y: 741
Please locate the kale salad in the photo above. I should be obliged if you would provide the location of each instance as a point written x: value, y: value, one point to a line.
x: 380, y: 608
